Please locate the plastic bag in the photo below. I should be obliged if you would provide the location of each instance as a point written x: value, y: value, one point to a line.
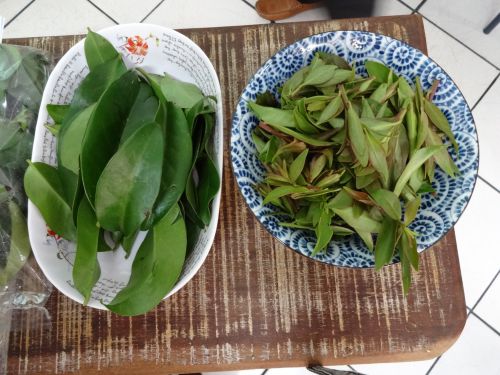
x: 23, y: 74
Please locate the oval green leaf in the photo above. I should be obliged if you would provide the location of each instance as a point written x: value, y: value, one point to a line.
x: 43, y: 187
x: 129, y: 184
x: 105, y: 128
x: 156, y: 267
x: 86, y: 270
x: 98, y: 50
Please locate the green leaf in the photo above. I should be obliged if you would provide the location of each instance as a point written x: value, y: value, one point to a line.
x: 442, y: 157
x: 98, y: 50
x: 425, y: 187
x: 356, y: 133
x: 316, y: 167
x: 409, y: 257
x: 282, y: 191
x: 416, y: 179
x: 293, y: 82
x: 339, y: 76
x: 377, y: 158
x: 332, y: 59
x: 93, y: 86
x: 129, y: 184
x: 341, y: 231
x: 439, y: 120
x: 57, y: 112
x: 411, y: 210
x: 273, y: 116
x: 384, y: 126
x: 156, y: 267
x: 386, y: 242
x: 389, y: 202
x: 324, y: 232
x: 270, y: 150
x: 19, y: 244
x: 53, y: 129
x: 418, y: 158
x: 297, y: 166
x: 405, y: 272
x: 404, y: 91
x: 409, y: 245
x: 400, y: 152
x: 43, y: 187
x: 86, y: 270
x: 266, y: 99
x: 377, y: 70
x: 333, y: 109
x: 154, y: 81
x: 319, y: 75
x: 68, y: 157
x: 367, y: 239
x: 259, y: 146
x: 69, y: 142
x: 10, y: 135
x: 301, y: 121
x: 419, y: 96
x: 313, y: 141
x: 342, y: 205
x: 143, y: 111
x: 329, y: 180
x: 179, y: 159
x: 380, y: 93
x: 26, y: 73
x: 366, y: 110
x: 10, y: 61
x: 101, y: 142
x: 183, y: 94
x: 411, y: 127
x: 208, y: 186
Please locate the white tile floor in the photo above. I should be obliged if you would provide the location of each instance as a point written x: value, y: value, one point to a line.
x: 455, y: 40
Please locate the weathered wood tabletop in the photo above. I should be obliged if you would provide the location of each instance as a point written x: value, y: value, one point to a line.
x: 255, y: 303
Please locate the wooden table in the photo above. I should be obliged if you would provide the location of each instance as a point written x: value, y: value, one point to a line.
x: 255, y: 303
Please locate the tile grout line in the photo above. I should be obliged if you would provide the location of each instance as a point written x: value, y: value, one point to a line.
x: 103, y: 12
x: 265, y: 371
x: 247, y: 3
x: 18, y: 13
x: 420, y: 5
x: 471, y: 312
x: 488, y: 183
x: 485, y: 323
x: 151, y: 11
x: 433, y: 364
x: 458, y: 40
x: 484, y: 292
x: 485, y: 92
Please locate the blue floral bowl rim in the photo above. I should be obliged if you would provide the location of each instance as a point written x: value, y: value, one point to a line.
x: 240, y: 98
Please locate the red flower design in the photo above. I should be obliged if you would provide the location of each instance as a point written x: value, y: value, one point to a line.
x: 51, y: 233
x: 137, y: 46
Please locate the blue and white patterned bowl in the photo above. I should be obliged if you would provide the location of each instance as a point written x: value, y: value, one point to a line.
x: 437, y: 214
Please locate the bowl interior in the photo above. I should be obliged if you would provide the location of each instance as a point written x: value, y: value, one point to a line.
x: 437, y: 213
x: 167, y: 52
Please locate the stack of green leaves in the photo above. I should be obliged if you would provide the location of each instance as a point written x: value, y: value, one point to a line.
x: 23, y: 73
x: 346, y: 154
x: 132, y: 154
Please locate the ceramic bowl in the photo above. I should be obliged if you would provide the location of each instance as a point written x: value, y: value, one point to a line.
x: 160, y: 50
x: 437, y: 214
